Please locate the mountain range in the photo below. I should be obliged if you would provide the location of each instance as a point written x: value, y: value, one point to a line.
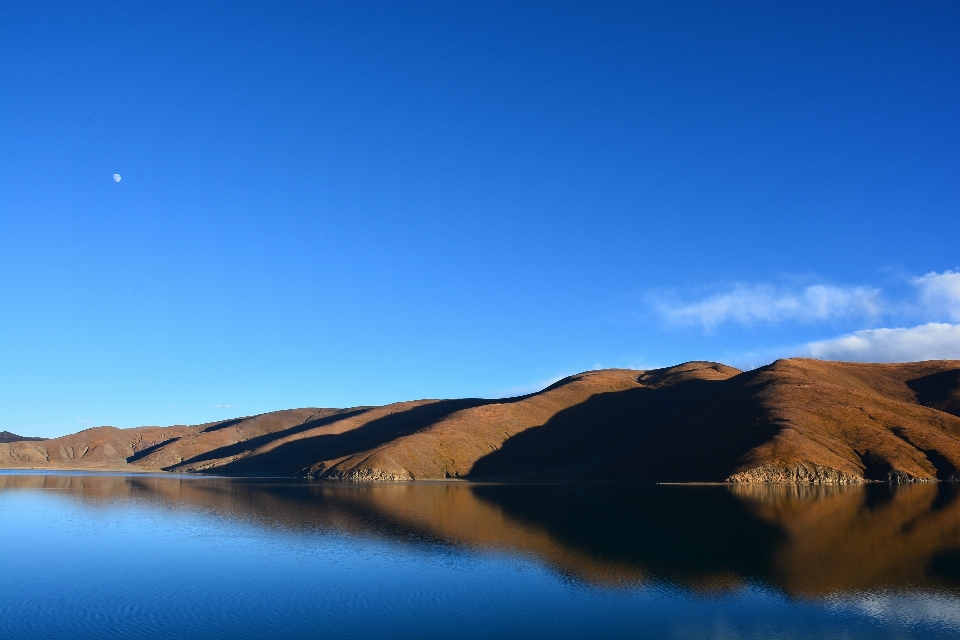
x: 795, y: 420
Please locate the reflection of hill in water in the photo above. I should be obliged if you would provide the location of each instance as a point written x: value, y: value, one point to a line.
x: 805, y: 540
x: 840, y: 538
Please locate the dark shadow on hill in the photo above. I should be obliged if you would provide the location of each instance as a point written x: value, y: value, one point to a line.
x: 574, y: 435
x: 223, y: 425
x: 705, y: 435
x: 945, y: 469
x: 143, y: 453
x: 259, y: 441
x: 293, y: 457
x: 691, y: 430
x: 6, y: 436
x: 939, y: 390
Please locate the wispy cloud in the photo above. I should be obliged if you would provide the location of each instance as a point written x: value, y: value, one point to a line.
x: 223, y: 406
x: 755, y: 304
x: 939, y: 293
x: 931, y: 341
x: 935, y: 298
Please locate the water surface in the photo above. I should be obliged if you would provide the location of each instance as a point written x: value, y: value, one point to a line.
x: 120, y: 556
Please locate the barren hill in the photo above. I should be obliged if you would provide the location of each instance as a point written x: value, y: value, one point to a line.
x: 795, y: 420
x: 6, y: 436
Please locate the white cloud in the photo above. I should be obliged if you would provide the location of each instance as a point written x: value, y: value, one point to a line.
x: 940, y: 293
x: 766, y: 304
x: 932, y: 341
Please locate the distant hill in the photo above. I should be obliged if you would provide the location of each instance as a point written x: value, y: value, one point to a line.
x: 796, y: 420
x: 6, y: 436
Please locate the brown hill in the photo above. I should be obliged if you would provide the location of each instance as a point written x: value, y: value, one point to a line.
x: 795, y: 420
x: 6, y: 436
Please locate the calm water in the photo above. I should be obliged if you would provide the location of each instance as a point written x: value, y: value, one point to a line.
x: 88, y: 556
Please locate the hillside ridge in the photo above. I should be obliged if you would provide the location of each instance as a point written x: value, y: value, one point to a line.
x: 794, y: 420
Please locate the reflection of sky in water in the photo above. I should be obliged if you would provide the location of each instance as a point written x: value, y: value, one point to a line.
x: 910, y: 608
x: 93, y: 558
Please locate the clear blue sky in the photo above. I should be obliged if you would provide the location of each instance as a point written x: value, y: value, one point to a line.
x: 332, y: 204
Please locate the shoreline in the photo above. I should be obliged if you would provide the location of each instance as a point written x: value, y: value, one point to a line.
x: 693, y: 483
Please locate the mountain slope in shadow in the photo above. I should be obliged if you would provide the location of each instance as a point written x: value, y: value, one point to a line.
x: 796, y: 420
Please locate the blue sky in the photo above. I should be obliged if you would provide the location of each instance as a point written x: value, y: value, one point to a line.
x: 333, y: 204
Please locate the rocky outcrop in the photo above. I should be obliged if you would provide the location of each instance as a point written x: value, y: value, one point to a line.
x: 799, y: 473
x: 365, y: 475
x: 902, y: 477
x: 815, y: 474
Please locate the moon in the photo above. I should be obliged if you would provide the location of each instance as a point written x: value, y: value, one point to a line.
x: 116, y: 177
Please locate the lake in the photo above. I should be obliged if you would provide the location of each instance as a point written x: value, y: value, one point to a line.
x: 143, y: 556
